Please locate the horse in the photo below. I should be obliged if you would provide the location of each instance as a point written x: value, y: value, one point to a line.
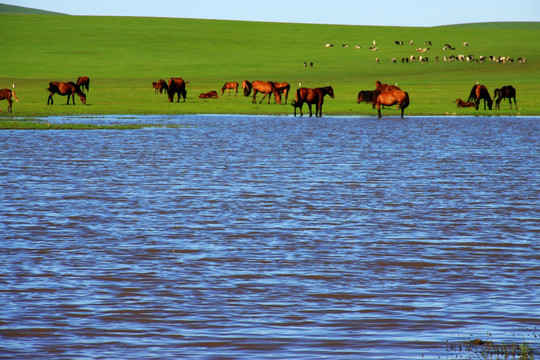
x: 312, y: 96
x: 7, y: 94
x: 228, y: 86
x: 65, y: 88
x: 505, y: 92
x: 283, y: 89
x: 84, y: 83
x: 176, y: 86
x: 479, y: 92
x: 265, y: 87
x: 246, y: 86
x: 395, y: 97
x: 160, y: 86
x: 461, y: 104
x: 385, y: 87
x: 209, y: 95
x: 368, y: 96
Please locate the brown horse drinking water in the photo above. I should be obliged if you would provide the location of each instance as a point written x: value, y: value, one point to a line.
x: 65, y: 88
x: 7, y: 94
x: 479, y: 92
x: 264, y: 87
x: 312, y: 96
x: 396, y: 97
x: 228, y: 86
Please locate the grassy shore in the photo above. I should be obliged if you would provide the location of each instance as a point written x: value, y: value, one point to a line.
x: 124, y: 55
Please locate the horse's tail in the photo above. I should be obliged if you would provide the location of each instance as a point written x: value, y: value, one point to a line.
x: 496, y: 93
x: 472, y: 95
x: 406, y: 101
x: 297, y: 96
x: 15, y: 96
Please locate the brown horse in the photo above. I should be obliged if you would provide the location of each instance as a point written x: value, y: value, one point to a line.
x: 385, y: 87
x: 160, y: 86
x: 479, y: 92
x: 209, y: 95
x: 84, y: 83
x: 283, y: 89
x: 176, y: 86
x: 246, y: 86
x: 312, y: 96
x: 368, y: 96
x: 461, y: 104
x: 266, y: 88
x: 395, y: 97
x: 228, y: 86
x: 65, y: 88
x: 505, y: 92
x: 7, y: 94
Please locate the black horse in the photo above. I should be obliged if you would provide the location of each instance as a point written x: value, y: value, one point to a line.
x: 505, y: 92
x: 479, y: 92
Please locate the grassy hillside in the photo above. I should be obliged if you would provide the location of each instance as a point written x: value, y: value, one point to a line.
x: 12, y: 9
x: 123, y: 55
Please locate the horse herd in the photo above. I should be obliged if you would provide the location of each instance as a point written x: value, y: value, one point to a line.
x: 383, y: 94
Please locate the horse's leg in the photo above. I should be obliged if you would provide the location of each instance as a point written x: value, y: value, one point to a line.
x: 260, y: 102
x: 50, y: 99
x: 310, y: 113
x: 379, y: 109
x: 254, y: 100
x: 10, y: 102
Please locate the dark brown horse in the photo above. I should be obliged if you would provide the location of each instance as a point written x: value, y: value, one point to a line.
x: 209, y: 95
x: 283, y: 89
x: 395, y: 97
x: 479, y: 92
x: 266, y: 88
x: 7, y: 94
x: 228, y: 86
x: 312, y: 96
x: 159, y: 86
x: 84, y: 83
x: 176, y: 86
x: 246, y: 86
x: 65, y: 88
x: 505, y: 92
x: 461, y: 104
x: 368, y: 96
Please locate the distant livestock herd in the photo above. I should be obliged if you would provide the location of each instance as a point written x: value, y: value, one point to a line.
x: 383, y: 94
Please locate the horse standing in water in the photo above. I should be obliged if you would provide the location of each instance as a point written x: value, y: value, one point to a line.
x: 479, y: 92
x: 65, y: 88
x: 312, y: 96
x: 265, y: 87
x: 396, y: 97
x: 228, y: 86
x: 7, y: 94
x: 84, y: 83
x: 505, y: 92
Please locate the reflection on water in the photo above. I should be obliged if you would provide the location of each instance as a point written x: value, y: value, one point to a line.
x: 269, y: 237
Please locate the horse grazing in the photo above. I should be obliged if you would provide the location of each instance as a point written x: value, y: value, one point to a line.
x: 176, y: 86
x: 368, y: 96
x: 65, y: 88
x: 505, y: 92
x: 228, y: 86
x: 283, y: 89
x: 160, y: 86
x: 479, y: 92
x: 267, y: 88
x: 209, y: 95
x: 84, y: 83
x: 395, y: 97
x: 312, y: 96
x: 246, y: 86
x: 7, y: 94
x: 462, y: 104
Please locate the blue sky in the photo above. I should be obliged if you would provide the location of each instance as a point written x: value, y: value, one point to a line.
x: 352, y: 12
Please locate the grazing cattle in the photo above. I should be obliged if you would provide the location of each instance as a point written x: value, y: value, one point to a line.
x: 328, y: 45
x: 176, y: 86
x: 462, y: 104
x: 397, y: 42
x: 65, y: 88
x: 283, y: 89
x: 312, y: 96
x: 394, y: 97
x: 7, y: 94
x: 84, y: 83
x: 209, y: 95
x: 505, y: 92
x: 479, y: 92
x: 228, y: 86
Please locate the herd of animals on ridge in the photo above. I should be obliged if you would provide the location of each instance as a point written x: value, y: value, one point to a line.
x: 382, y: 95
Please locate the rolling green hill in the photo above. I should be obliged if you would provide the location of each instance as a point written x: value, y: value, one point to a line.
x: 123, y: 55
x: 12, y: 9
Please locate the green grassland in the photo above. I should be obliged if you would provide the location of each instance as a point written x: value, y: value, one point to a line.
x: 123, y: 55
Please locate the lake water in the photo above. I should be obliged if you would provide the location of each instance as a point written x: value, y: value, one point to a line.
x: 247, y: 237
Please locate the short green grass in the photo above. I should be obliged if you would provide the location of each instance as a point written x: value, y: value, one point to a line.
x: 123, y: 55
